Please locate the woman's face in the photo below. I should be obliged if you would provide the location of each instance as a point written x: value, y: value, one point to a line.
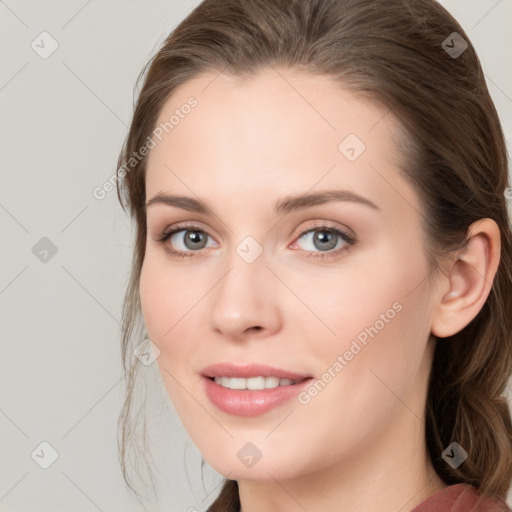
x: 262, y: 277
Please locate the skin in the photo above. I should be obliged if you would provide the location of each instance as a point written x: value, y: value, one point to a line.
x: 249, y: 142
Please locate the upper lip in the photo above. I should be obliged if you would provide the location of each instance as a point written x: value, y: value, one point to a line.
x: 250, y: 370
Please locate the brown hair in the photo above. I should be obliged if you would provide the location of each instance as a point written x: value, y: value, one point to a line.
x: 389, y: 51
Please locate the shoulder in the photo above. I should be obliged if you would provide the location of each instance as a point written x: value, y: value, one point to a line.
x: 461, y: 498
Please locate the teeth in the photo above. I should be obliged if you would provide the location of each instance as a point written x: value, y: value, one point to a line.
x: 253, y: 383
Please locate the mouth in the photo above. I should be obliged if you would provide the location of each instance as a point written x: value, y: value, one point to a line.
x: 252, y: 389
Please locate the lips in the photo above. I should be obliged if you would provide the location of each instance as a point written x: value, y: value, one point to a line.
x: 250, y: 370
x: 251, y: 402
x: 245, y: 402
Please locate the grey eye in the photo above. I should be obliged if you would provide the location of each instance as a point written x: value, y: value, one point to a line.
x: 190, y: 239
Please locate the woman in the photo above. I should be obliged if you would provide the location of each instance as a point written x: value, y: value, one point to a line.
x: 368, y: 372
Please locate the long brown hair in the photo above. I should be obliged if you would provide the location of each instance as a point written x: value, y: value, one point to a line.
x: 393, y: 52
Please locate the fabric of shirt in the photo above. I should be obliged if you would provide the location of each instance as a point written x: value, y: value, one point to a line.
x: 457, y: 498
x: 461, y: 498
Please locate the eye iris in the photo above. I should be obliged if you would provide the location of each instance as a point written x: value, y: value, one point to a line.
x: 195, y: 238
x: 323, y: 237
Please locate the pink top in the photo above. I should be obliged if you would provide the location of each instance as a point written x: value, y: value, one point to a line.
x: 461, y: 498
x: 454, y: 498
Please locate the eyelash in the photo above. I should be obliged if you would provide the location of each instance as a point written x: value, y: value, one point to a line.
x: 349, y: 240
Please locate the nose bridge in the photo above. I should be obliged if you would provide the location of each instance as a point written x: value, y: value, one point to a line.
x: 244, y: 297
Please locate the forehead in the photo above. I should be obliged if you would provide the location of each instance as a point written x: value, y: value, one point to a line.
x: 279, y: 130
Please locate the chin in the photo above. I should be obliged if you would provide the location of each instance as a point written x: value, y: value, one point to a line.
x: 247, y: 462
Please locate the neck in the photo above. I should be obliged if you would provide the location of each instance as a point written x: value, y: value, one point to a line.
x: 391, y: 476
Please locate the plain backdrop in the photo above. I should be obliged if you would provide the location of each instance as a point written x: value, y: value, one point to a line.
x: 65, y: 254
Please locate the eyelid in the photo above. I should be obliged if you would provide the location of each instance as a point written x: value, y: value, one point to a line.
x: 317, y: 225
x: 180, y: 226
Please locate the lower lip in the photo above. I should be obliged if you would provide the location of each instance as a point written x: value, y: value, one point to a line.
x: 243, y: 402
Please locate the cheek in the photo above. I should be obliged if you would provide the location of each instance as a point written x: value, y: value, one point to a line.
x: 166, y: 301
x: 167, y: 293
x: 152, y: 297
x: 365, y: 296
x: 381, y: 321
x: 379, y: 315
x: 161, y: 306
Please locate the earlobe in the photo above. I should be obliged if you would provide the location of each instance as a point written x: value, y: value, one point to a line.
x: 465, y: 289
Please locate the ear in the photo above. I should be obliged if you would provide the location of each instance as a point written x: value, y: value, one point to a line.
x: 465, y: 288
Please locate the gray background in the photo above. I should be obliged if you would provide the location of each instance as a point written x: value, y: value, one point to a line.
x: 63, y: 121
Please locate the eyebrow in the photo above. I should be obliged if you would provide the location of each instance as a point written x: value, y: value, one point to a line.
x: 285, y: 205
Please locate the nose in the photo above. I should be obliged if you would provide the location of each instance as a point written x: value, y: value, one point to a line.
x: 245, y: 301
